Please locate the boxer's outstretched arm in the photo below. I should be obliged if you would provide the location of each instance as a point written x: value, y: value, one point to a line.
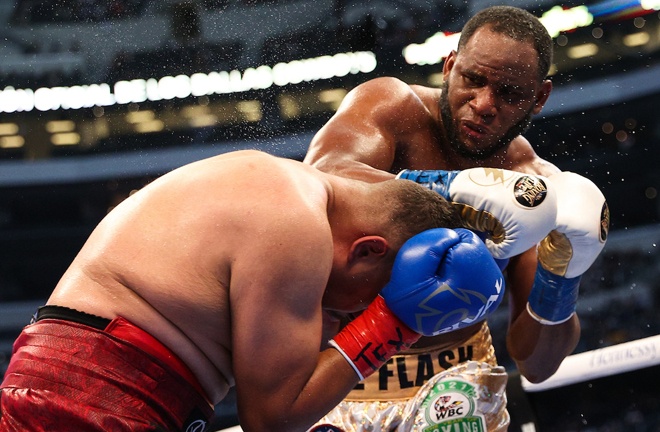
x: 538, y: 349
x: 360, y: 140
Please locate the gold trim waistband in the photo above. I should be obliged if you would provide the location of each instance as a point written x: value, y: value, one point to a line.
x: 403, y: 375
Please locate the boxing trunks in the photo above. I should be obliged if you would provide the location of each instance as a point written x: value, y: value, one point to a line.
x: 79, y: 372
x: 444, y: 388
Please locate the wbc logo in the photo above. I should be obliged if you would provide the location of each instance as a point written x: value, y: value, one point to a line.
x: 451, y: 406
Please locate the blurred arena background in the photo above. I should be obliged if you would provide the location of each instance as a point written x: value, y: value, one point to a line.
x: 99, y: 97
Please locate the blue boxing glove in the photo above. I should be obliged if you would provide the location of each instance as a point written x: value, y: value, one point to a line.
x: 443, y: 280
x: 514, y: 209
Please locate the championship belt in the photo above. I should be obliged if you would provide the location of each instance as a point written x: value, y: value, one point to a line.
x: 468, y: 397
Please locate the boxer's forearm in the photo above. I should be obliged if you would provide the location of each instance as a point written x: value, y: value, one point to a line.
x: 539, y: 349
x: 298, y: 409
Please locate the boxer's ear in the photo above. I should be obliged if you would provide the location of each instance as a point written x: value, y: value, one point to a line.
x: 448, y: 64
x: 368, y: 248
x: 542, y: 96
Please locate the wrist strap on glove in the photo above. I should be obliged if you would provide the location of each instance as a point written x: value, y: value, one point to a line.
x: 436, y: 180
x: 373, y: 338
x: 553, y: 298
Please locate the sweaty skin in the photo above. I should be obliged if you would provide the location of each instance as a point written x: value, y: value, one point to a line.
x: 386, y: 125
x: 235, y: 284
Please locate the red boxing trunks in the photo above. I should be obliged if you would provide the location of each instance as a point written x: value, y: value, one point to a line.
x: 64, y: 375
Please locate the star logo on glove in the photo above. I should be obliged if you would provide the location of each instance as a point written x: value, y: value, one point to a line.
x: 448, y: 321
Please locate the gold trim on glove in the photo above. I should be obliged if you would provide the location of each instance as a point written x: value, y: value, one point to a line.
x: 481, y: 220
x: 555, y: 252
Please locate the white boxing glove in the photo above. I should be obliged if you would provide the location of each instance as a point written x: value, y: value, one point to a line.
x: 570, y: 249
x: 514, y: 209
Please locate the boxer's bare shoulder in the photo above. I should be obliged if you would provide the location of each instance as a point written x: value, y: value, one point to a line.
x: 521, y: 157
